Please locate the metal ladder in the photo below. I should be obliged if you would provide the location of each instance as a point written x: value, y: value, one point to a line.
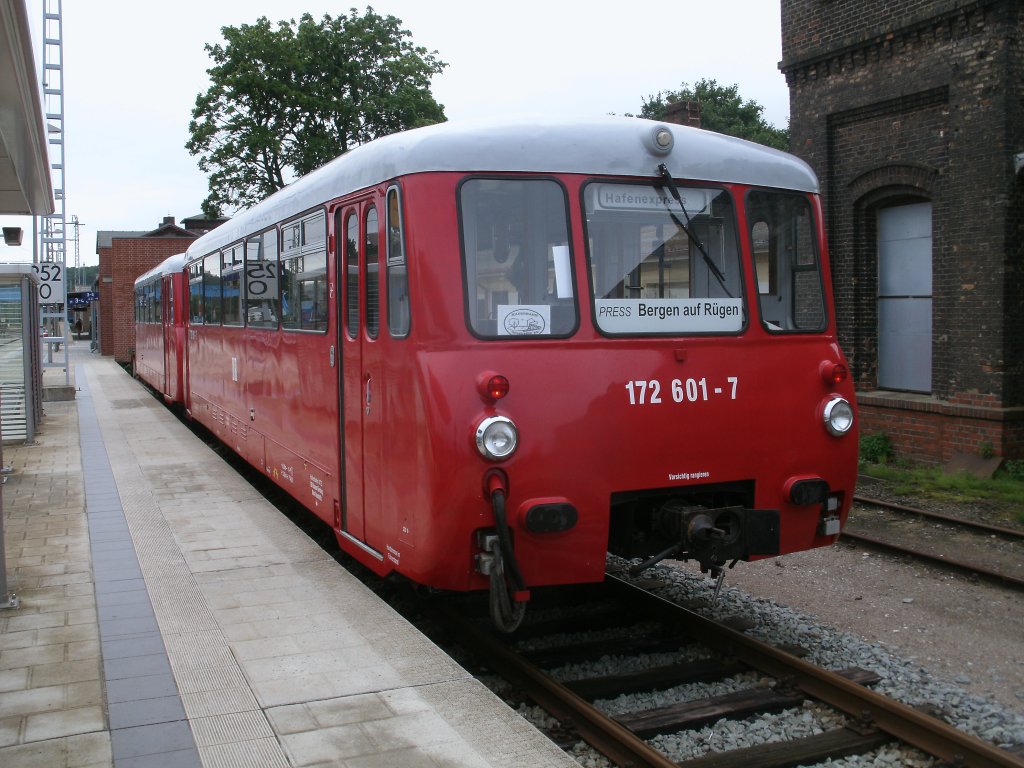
x: 51, y: 248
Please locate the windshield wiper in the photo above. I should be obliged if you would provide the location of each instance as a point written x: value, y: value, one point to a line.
x: 666, y: 178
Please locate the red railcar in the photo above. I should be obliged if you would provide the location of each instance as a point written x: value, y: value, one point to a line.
x: 489, y: 353
x: 160, y: 305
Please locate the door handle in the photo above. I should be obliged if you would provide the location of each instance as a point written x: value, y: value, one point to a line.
x: 369, y: 394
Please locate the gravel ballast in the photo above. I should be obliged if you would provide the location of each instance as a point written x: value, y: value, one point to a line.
x: 945, y: 644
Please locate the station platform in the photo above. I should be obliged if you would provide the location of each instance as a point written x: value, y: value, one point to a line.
x: 170, y: 616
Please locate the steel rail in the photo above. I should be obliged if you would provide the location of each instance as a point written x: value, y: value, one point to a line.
x: 901, y: 721
x: 614, y: 741
x: 988, y: 528
x: 959, y: 565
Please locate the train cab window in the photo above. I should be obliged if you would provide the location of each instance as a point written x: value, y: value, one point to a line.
x: 303, y: 274
x: 211, y: 289
x: 659, y: 266
x: 516, y: 258
x: 231, y: 284
x: 158, y: 307
x: 399, y: 317
x: 352, y: 276
x: 262, y: 299
x: 372, y: 285
x: 195, y: 293
x: 782, y: 234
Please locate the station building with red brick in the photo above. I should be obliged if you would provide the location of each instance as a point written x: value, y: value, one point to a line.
x: 123, y: 256
x: 911, y: 112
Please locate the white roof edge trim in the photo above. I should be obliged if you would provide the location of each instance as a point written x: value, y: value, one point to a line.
x: 174, y: 263
x: 606, y: 146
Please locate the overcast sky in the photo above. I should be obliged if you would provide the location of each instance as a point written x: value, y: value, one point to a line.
x: 133, y: 70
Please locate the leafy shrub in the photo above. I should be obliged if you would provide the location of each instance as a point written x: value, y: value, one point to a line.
x: 876, y: 449
x: 1014, y: 469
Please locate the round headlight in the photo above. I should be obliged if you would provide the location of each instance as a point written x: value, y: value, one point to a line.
x: 838, y: 416
x: 496, y: 438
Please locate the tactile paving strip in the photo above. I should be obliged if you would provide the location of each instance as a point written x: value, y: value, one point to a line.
x: 146, y: 715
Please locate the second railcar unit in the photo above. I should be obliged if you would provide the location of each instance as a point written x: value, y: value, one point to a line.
x: 158, y: 356
x: 489, y: 353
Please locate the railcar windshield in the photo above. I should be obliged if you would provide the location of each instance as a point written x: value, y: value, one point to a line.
x: 650, y: 276
x: 789, y: 282
x: 517, y: 258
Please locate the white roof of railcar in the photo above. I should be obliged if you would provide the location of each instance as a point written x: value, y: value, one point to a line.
x: 615, y: 146
x: 173, y: 263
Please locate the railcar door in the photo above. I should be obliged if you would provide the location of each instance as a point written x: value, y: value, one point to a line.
x: 358, y: 327
x: 167, y: 330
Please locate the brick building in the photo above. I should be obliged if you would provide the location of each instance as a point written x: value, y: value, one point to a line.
x: 123, y: 256
x: 911, y: 112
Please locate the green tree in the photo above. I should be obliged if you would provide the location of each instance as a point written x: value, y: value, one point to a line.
x: 723, y: 110
x: 284, y: 99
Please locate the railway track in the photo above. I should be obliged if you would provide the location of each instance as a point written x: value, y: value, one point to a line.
x: 871, y: 720
x: 992, y: 552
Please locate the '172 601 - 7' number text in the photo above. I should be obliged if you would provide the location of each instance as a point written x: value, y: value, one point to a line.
x: 649, y: 392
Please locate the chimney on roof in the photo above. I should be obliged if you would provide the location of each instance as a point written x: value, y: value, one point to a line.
x: 168, y: 220
x: 683, y: 113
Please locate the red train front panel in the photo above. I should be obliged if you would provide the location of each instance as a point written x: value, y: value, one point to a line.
x: 634, y: 418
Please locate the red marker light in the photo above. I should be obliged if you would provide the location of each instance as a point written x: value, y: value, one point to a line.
x: 491, y: 386
x: 834, y: 373
x: 497, y: 387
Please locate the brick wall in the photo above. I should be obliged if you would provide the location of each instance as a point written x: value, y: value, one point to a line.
x: 896, y: 101
x: 119, y: 265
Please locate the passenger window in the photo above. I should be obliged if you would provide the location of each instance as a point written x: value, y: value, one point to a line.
x: 517, y: 258
x: 211, y: 289
x: 782, y: 237
x: 195, y: 293
x: 661, y: 266
x: 352, y: 276
x: 231, y: 285
x: 261, y: 284
x: 158, y: 306
x: 399, y: 316
x: 304, y: 274
x: 372, y: 274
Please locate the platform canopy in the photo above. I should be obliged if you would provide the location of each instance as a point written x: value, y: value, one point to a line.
x: 25, y: 186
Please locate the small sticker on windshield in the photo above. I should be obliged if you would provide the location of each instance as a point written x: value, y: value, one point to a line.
x: 524, y: 320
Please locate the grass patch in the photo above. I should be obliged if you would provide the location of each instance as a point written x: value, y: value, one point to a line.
x: 1006, y: 488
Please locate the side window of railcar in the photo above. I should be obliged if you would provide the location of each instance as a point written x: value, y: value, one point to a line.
x: 517, y: 258
x: 195, y: 293
x: 399, y: 316
x: 304, y: 274
x: 158, y: 307
x: 231, y: 284
x: 658, y: 267
x: 211, y: 289
x: 782, y: 235
x: 352, y: 275
x: 372, y: 274
x: 262, y: 297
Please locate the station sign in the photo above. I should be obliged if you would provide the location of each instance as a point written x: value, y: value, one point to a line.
x: 51, y: 282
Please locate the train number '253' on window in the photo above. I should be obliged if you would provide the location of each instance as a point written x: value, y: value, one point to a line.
x: 650, y: 392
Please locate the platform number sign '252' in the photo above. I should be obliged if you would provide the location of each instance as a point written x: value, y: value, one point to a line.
x: 51, y: 282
